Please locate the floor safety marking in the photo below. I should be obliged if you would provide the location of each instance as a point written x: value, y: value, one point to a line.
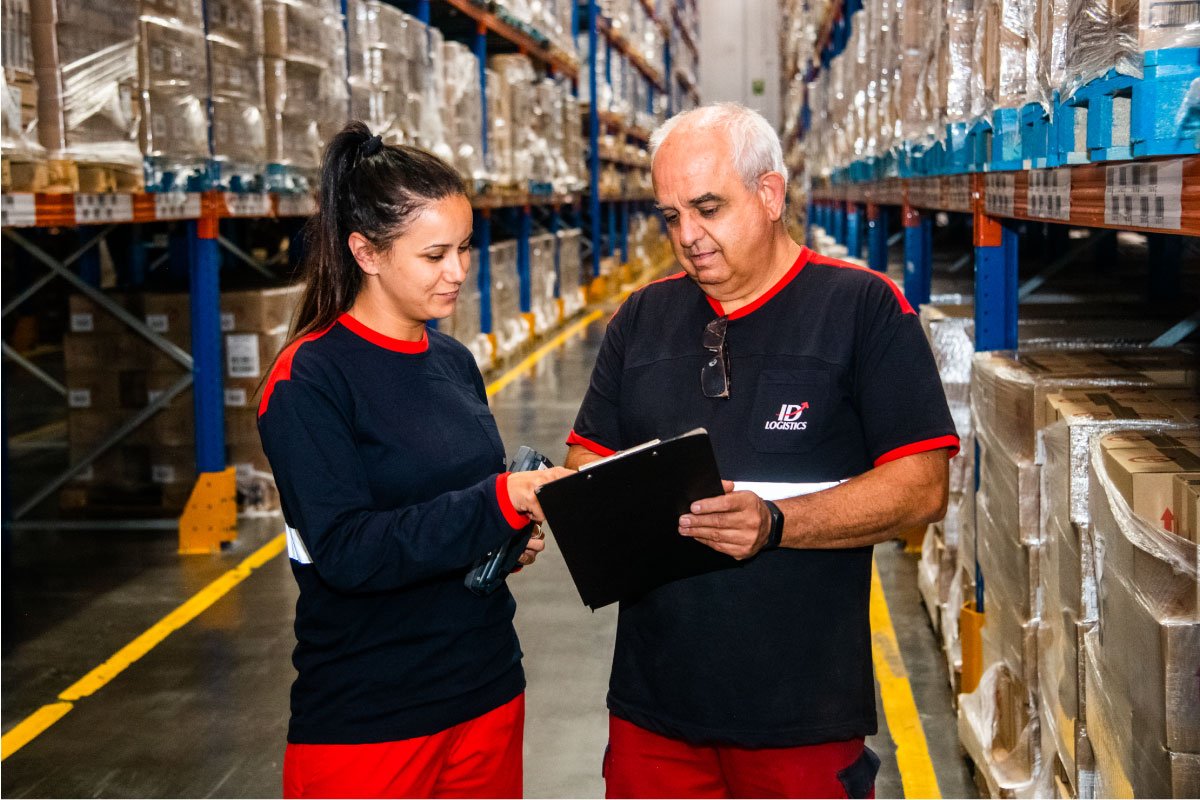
x: 904, y: 724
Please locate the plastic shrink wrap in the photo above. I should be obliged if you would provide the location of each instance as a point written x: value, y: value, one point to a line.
x: 462, y: 112
x: 509, y: 326
x: 465, y: 324
x: 389, y: 70
x: 18, y: 88
x: 1143, y: 710
x: 238, y: 124
x: 543, y: 279
x: 305, y: 85
x: 1000, y: 723
x: 570, y: 270
x: 86, y: 71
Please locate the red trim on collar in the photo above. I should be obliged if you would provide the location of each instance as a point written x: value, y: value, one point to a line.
x: 386, y: 342
x: 282, y: 369
x: 746, y: 310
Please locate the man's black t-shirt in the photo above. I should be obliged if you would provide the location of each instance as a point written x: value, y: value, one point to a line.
x: 830, y: 375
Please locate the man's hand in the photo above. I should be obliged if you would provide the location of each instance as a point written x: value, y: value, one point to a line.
x: 736, y: 523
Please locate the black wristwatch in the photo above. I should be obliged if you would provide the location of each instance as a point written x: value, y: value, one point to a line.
x: 775, y: 535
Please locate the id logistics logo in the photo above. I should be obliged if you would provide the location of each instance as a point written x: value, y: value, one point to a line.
x: 788, y: 418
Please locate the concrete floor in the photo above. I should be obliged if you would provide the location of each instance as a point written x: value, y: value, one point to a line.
x: 204, y: 713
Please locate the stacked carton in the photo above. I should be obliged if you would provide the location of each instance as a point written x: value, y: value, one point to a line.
x: 305, y: 84
x: 18, y: 89
x: 111, y: 373
x: 543, y: 280
x: 389, y: 70
x: 571, y: 280
x: 85, y: 65
x: 1013, y: 398
x: 462, y: 112
x: 466, y: 324
x: 236, y: 103
x: 510, y: 328
x: 1139, y: 660
x: 173, y: 83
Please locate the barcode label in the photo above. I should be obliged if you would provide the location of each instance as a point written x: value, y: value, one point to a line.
x: 1049, y: 194
x: 177, y: 205
x: 18, y: 209
x: 83, y: 322
x: 91, y: 208
x: 159, y: 323
x: 235, y: 398
x: 1144, y: 195
x: 297, y: 205
x: 1174, y: 14
x: 1000, y: 194
x: 247, y: 205
x: 957, y: 192
x: 925, y: 193
x: 241, y: 355
x: 228, y: 322
x: 79, y: 398
x: 162, y: 473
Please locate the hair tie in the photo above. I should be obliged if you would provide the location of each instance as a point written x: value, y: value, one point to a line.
x: 371, y: 146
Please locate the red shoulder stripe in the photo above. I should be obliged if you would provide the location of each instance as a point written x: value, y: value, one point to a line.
x: 282, y: 371
x: 905, y: 306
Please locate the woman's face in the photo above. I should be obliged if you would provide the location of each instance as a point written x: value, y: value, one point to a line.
x: 421, y: 273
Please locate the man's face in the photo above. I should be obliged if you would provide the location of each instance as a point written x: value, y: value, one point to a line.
x: 719, y: 229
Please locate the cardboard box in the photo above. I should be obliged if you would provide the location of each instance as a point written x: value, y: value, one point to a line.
x: 1177, y: 438
x: 87, y: 428
x: 87, y: 316
x: 106, y: 390
x: 1144, y: 477
x: 259, y: 310
x: 84, y: 352
x: 124, y: 465
x: 169, y: 315
x: 1129, y: 403
x: 173, y: 465
x: 1185, y: 505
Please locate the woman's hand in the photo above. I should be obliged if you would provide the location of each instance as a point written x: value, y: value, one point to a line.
x: 522, y: 489
x: 537, y: 543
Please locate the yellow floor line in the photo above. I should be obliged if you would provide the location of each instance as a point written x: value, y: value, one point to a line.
x: 542, y: 352
x: 904, y: 724
x: 39, y: 721
x: 33, y: 726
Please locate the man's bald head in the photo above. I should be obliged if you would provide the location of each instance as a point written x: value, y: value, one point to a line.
x: 753, y: 144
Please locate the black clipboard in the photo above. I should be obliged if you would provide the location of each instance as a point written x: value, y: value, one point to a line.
x: 617, y: 521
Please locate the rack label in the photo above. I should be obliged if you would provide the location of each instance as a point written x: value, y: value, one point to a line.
x: 925, y: 193
x: 297, y: 205
x: 79, y: 398
x: 162, y: 473
x: 1000, y: 194
x: 92, y: 208
x: 247, y: 205
x: 18, y: 209
x: 241, y: 355
x: 957, y: 191
x: 177, y: 205
x: 83, y: 322
x: 1049, y: 194
x: 228, y: 321
x: 1144, y: 195
x: 235, y: 398
x: 159, y: 323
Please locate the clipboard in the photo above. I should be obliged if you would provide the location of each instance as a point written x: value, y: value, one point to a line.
x: 616, y: 521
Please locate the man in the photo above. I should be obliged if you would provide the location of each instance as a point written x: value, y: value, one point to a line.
x: 756, y: 681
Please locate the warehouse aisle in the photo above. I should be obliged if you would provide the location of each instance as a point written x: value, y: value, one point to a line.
x: 204, y: 712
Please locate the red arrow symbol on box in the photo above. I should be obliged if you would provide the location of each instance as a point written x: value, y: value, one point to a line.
x: 1168, y: 520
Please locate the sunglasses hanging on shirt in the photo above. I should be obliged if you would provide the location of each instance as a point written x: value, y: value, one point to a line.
x: 714, y: 377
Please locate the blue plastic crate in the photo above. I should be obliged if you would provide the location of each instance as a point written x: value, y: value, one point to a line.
x: 162, y: 175
x: 1157, y: 128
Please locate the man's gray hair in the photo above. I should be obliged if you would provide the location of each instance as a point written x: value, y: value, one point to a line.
x: 755, y: 144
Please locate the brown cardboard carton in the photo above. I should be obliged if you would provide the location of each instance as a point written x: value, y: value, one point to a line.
x: 173, y: 465
x: 169, y: 315
x: 241, y: 427
x: 106, y: 390
x: 1176, y: 438
x: 83, y: 352
x: 124, y: 465
x: 1125, y: 403
x: 261, y: 310
x: 87, y: 316
x: 1185, y: 505
x: 1144, y: 477
x: 87, y: 427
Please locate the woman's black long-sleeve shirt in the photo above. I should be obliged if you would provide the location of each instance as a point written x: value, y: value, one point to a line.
x: 390, y: 471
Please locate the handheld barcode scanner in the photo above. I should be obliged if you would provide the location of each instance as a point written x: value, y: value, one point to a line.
x: 491, y: 570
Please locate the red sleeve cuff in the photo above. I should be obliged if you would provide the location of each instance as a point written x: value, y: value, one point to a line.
x: 514, y: 518
x: 923, y: 446
x: 598, y: 449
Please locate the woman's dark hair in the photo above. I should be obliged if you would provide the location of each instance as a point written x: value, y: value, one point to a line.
x: 369, y: 188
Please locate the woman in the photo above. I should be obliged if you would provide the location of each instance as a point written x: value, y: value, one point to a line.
x: 390, y: 470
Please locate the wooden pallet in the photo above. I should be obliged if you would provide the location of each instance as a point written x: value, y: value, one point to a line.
x: 119, y: 502
x: 64, y: 176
